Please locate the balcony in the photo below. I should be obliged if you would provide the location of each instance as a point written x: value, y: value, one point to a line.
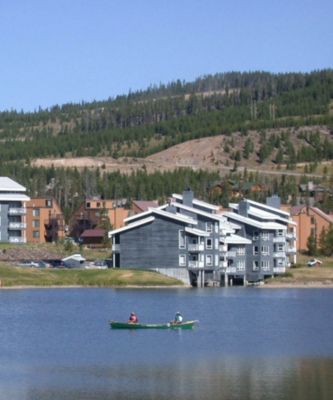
x: 224, y: 248
x: 17, y: 211
x: 279, y: 239
x: 223, y: 264
x: 195, y: 264
x: 17, y: 225
x: 231, y: 254
x: 291, y: 236
x: 279, y: 254
x: 17, y: 239
x: 196, y: 247
x: 231, y: 270
x: 279, y: 270
x: 291, y: 250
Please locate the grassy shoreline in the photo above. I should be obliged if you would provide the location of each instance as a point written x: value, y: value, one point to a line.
x: 20, y: 277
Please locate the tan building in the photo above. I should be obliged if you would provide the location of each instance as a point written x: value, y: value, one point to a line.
x: 92, y: 212
x: 45, y: 221
x: 310, y: 221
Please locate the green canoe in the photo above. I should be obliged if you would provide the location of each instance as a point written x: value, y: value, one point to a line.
x: 168, y: 325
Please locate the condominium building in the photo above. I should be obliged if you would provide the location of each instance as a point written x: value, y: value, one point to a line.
x: 13, y: 200
x: 189, y: 239
x: 45, y: 220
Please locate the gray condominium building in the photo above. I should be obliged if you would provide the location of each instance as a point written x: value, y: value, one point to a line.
x: 12, y: 211
x: 191, y: 240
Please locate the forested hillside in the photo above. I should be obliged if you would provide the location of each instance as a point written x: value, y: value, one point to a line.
x: 282, y: 119
x: 142, y: 123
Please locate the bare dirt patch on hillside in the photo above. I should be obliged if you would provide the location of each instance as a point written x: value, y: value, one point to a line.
x: 209, y: 153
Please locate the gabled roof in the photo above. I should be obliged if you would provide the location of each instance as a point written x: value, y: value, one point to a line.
x: 216, y: 217
x: 133, y: 225
x: 296, y: 210
x: 197, y: 202
x: 268, y: 208
x: 265, y: 215
x: 93, y: 233
x: 13, y: 197
x: 255, y: 223
x: 9, y: 185
x: 144, y: 213
x: 159, y: 211
x: 236, y: 239
x: 196, y: 232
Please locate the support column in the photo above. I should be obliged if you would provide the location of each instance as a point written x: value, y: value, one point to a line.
x: 225, y: 279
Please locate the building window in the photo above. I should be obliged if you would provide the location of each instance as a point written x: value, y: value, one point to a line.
x: 48, y: 203
x: 313, y: 221
x: 35, y: 223
x: 182, y: 260
x: 255, y: 250
x: 255, y: 235
x: 35, y: 234
x: 209, y: 227
x: 279, y: 233
x: 88, y: 205
x: 279, y: 247
x: 216, y: 243
x: 255, y: 266
x: 265, y: 265
x: 209, y: 243
x: 216, y: 227
x: 240, y: 265
x: 209, y: 261
x: 265, y: 250
x: 240, y: 251
x: 35, y: 212
x: 182, y: 240
x: 265, y: 236
x: 216, y: 260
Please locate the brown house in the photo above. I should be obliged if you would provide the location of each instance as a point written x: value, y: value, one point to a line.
x: 96, y: 212
x: 45, y: 221
x: 93, y: 237
x: 310, y: 222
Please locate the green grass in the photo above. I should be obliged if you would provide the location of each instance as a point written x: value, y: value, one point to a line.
x: 19, y: 276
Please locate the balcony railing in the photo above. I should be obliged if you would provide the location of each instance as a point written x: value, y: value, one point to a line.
x: 231, y: 254
x: 279, y: 239
x: 223, y: 264
x: 279, y: 254
x: 291, y: 250
x: 291, y: 235
x: 224, y: 248
x: 17, y: 239
x: 279, y: 270
x: 17, y: 225
x: 17, y: 211
x: 196, y: 247
x: 195, y: 264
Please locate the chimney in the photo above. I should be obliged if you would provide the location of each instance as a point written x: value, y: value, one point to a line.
x: 188, y: 197
x: 274, y: 201
x: 243, y: 208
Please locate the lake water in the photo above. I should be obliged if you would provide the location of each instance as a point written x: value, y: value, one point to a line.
x: 250, y: 344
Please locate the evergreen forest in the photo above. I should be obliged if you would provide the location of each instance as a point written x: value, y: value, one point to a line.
x: 144, y: 122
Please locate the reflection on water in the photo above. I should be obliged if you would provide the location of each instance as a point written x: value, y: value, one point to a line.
x: 228, y: 379
x: 250, y: 344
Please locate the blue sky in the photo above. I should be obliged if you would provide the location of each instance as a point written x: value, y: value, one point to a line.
x: 61, y: 51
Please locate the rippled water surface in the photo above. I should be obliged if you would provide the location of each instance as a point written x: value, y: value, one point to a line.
x: 249, y: 344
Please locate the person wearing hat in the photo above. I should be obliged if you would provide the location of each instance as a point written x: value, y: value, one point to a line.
x: 133, y: 319
x: 178, y: 318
